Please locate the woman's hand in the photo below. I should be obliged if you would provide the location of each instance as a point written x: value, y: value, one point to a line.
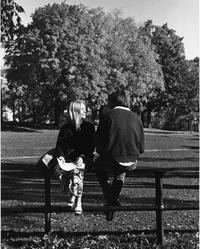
x: 62, y: 159
x: 79, y: 160
x: 80, y: 163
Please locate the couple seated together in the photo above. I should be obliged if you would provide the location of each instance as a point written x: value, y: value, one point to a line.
x: 113, y: 148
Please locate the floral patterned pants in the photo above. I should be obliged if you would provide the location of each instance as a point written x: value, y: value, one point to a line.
x: 76, y: 182
x: 72, y: 181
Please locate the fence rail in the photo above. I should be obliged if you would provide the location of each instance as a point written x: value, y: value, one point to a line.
x: 159, y: 206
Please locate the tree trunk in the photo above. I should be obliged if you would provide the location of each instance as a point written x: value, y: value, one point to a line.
x: 57, y: 112
x: 23, y: 111
x: 1, y: 112
x: 148, y: 118
x: 34, y: 114
x: 13, y: 110
x: 19, y: 114
x: 143, y: 118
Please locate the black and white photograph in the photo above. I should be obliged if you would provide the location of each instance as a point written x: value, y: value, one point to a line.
x: 99, y: 124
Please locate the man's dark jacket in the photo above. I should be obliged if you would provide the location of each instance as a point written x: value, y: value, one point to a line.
x: 120, y: 135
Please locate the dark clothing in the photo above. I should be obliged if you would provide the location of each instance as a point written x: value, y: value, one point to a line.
x: 72, y: 143
x: 119, y: 142
x: 105, y: 167
x: 120, y: 136
x: 109, y: 167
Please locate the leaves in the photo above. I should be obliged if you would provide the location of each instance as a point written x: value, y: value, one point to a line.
x: 176, y: 100
x: 71, y: 51
x: 10, y: 20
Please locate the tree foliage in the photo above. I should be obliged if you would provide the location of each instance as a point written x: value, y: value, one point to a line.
x: 178, y: 73
x: 10, y: 19
x: 70, y: 51
x: 132, y: 59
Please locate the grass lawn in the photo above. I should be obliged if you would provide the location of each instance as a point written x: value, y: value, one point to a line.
x: 163, y: 149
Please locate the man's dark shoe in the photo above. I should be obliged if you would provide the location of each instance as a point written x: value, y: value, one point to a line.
x: 109, y: 215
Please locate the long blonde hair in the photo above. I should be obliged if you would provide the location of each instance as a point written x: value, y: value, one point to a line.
x: 74, y: 112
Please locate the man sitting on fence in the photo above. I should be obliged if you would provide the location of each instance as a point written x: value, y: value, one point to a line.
x: 119, y: 142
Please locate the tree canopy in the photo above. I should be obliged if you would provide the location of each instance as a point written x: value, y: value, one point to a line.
x: 70, y: 51
x: 178, y: 74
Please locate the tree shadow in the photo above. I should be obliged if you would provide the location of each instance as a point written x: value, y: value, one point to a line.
x: 129, y: 200
x: 23, y: 166
x: 167, y: 159
x: 196, y: 137
x: 25, y: 126
x: 18, y: 129
x: 24, y: 182
x: 192, y: 147
x: 22, y: 187
x: 160, y: 132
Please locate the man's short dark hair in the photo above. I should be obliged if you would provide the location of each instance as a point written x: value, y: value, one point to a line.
x: 118, y: 98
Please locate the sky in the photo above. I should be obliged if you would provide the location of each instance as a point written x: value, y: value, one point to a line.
x: 180, y: 15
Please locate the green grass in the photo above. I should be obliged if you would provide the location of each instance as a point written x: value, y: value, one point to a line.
x: 19, y: 190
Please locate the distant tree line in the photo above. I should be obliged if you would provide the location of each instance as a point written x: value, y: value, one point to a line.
x: 71, y: 51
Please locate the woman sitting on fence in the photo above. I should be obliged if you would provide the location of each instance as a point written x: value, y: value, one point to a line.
x: 74, y: 151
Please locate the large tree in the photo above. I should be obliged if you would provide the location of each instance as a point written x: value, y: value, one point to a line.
x: 188, y: 105
x: 10, y: 28
x: 57, y: 57
x: 174, y: 101
x: 70, y: 52
x: 131, y: 59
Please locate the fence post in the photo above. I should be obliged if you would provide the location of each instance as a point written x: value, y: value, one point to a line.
x: 47, y: 202
x: 159, y: 207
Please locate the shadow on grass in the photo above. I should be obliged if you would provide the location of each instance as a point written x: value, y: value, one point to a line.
x: 25, y: 167
x: 196, y: 137
x: 126, y: 200
x: 25, y: 183
x: 23, y: 188
x: 167, y: 159
x: 22, y: 181
x: 164, y: 132
x: 18, y: 129
x: 192, y: 147
x: 160, y: 132
x: 24, y: 127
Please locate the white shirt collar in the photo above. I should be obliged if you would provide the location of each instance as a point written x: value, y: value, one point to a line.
x: 121, y: 107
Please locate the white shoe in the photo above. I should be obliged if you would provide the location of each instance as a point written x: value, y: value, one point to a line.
x: 71, y: 203
x: 78, y: 210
